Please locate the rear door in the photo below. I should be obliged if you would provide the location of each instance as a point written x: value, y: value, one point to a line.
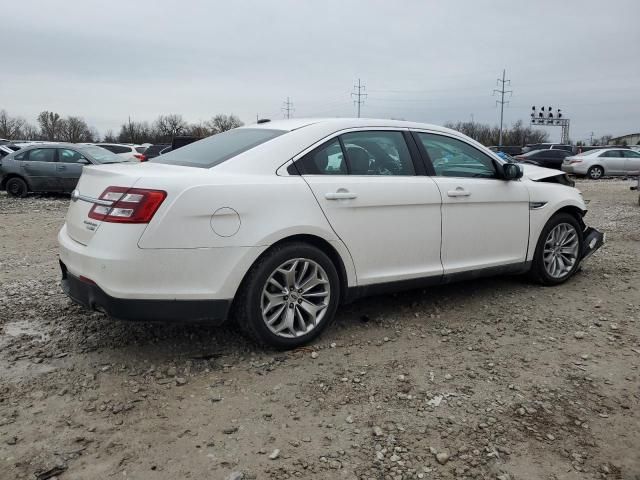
x: 631, y: 162
x: 614, y: 162
x: 485, y: 220
x: 69, y: 167
x: 374, y: 193
x: 40, y: 166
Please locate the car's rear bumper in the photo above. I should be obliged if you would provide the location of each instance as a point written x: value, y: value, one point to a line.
x: 86, y: 293
x: 593, y: 240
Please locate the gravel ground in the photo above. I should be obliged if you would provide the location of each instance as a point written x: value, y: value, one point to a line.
x: 496, y: 378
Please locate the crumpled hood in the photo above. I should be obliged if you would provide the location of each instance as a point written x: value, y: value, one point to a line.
x: 535, y: 173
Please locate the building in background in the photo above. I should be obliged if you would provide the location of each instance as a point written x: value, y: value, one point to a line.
x: 630, y: 139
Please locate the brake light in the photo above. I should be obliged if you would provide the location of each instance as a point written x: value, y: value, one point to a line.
x: 140, y: 157
x: 571, y: 162
x: 130, y: 205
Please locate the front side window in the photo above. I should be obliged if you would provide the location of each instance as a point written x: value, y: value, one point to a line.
x: 630, y: 154
x: 42, y: 155
x: 454, y: 158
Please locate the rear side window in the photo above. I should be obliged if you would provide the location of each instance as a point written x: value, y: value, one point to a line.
x: 42, y: 155
x: 218, y: 148
x: 612, y: 154
x: 360, y: 153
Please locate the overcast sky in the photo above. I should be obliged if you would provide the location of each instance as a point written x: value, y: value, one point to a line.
x: 431, y: 61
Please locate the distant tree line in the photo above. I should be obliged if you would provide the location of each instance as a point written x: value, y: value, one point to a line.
x: 51, y: 126
x: 517, y: 134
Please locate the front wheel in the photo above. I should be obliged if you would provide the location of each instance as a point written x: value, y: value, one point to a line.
x: 17, y: 187
x: 595, y: 172
x: 289, y: 296
x: 558, y: 252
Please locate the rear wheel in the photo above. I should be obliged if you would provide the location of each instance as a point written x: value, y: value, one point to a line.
x: 558, y: 252
x: 595, y: 172
x: 289, y: 296
x: 17, y: 187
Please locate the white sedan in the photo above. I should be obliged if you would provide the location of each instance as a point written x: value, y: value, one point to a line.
x: 276, y: 224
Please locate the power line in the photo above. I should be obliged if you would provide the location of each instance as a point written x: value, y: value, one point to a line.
x: 359, y: 95
x: 503, y: 83
x: 287, y: 108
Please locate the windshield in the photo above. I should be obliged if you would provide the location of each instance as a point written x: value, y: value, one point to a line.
x: 217, y: 148
x: 101, y: 155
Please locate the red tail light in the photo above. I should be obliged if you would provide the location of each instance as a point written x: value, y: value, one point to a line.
x: 130, y: 205
x: 140, y: 157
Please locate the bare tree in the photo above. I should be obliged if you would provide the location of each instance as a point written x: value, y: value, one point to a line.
x: 30, y: 132
x: 222, y: 123
x: 200, y: 130
x: 75, y: 130
x: 134, y: 132
x: 168, y: 126
x: 517, y: 134
x: 11, y: 127
x: 50, y: 125
x: 110, y: 137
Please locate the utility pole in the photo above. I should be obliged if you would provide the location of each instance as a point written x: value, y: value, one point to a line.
x: 358, y: 95
x: 503, y: 83
x: 591, y: 139
x: 287, y: 108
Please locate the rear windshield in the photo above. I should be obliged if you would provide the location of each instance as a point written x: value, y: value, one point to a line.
x: 155, y: 149
x: 141, y: 149
x: 216, y: 149
x: 100, y: 154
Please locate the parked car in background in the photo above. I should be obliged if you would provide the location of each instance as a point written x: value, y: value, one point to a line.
x: 8, y: 149
x: 548, y: 146
x: 549, y: 158
x: 280, y: 222
x: 50, y: 167
x: 129, y: 152
x: 508, y: 149
x: 154, y: 150
x: 596, y: 164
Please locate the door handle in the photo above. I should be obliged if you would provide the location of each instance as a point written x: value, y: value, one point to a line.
x: 60, y: 167
x: 340, y: 195
x: 459, y: 192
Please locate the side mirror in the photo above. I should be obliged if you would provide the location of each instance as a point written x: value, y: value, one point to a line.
x: 512, y: 171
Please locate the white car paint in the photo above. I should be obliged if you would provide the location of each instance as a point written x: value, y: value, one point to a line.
x: 215, y: 223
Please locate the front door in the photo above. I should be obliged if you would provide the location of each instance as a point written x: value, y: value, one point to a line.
x: 386, y: 215
x: 485, y: 220
x: 613, y: 162
x: 40, y: 167
x: 69, y: 168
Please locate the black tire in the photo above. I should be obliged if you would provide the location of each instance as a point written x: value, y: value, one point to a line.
x: 17, y: 187
x: 538, y: 271
x: 596, y: 172
x: 247, y: 310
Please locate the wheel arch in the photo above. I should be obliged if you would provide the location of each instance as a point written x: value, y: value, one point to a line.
x: 320, y: 243
x: 604, y: 170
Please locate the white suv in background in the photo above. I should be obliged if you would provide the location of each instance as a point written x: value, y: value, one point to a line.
x: 130, y: 152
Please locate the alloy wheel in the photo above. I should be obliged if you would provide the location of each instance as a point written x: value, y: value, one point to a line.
x: 295, y: 298
x: 595, y: 173
x: 561, y: 250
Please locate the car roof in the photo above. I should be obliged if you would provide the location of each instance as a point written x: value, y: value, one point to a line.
x: 343, y: 123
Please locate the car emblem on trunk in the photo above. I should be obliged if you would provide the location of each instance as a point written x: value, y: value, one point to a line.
x: 75, y: 195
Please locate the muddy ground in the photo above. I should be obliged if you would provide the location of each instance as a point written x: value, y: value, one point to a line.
x: 496, y: 378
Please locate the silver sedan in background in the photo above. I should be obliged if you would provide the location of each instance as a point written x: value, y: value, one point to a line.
x: 604, y: 162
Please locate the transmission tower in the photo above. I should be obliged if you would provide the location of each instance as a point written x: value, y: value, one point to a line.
x: 358, y: 95
x: 502, y: 83
x: 287, y: 108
